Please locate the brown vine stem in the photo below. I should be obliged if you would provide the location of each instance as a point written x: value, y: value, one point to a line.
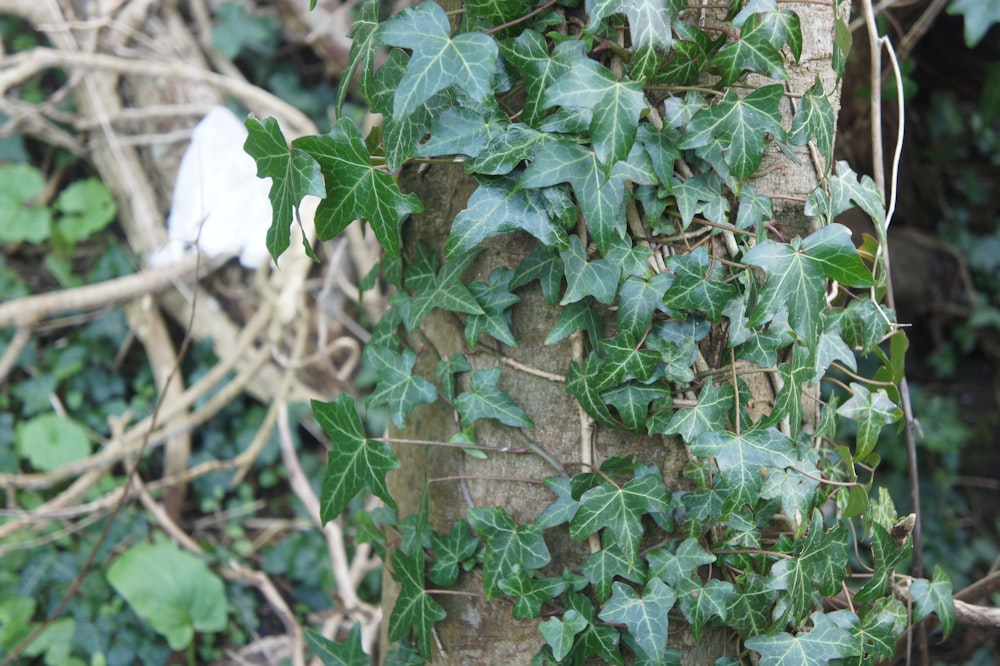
x: 865, y: 380
x: 449, y: 445
x: 828, y: 482
x: 473, y: 477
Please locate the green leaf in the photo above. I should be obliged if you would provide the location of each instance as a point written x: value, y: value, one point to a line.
x: 615, y: 105
x: 506, y: 150
x: 597, y: 278
x: 649, y: 27
x: 698, y: 284
x: 354, y: 462
x: 447, y: 368
x: 529, y: 54
x: 559, y: 633
x: 489, y: 13
x: 752, y: 52
x: 485, y: 400
x: 563, y: 508
x: 779, y: 27
x: 414, y: 607
x: 451, y: 550
x: 817, y: 119
x: 845, y: 189
x: 348, y: 653
x: 632, y: 402
x: 609, y: 563
x: 508, y: 545
x: 601, y: 197
x: 645, y: 617
x: 743, y: 457
x: 934, y: 596
x: 531, y: 593
x: 545, y: 266
x: 819, y: 565
x: 714, y: 403
x: 980, y: 15
x: 795, y: 490
x: 826, y: 641
x: 625, y: 359
x: 444, y: 291
x: 171, y: 589
x: 50, y: 441
x: 397, y: 387
x: 674, y: 568
x: 580, y: 315
x: 700, y: 194
x: 460, y: 131
x: 355, y: 188
x: 620, y: 509
x: 754, y: 208
x: 468, y: 61
x: 796, y: 275
x: 738, y: 126
x: 361, y: 58
x: 293, y: 173
x: 870, y: 411
x: 706, y: 602
x: 638, y: 299
x: 86, y: 208
x: 498, y: 207
x: 887, y: 554
x: 750, y: 609
x: 496, y: 301
x: 581, y: 384
x: 877, y: 632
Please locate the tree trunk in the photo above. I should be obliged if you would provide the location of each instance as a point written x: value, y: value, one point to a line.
x: 478, y: 631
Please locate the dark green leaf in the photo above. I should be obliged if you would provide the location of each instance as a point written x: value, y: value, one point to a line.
x: 460, y: 131
x: 489, y: 13
x: 451, y: 550
x: 354, y: 462
x: 625, y: 359
x: 545, y: 266
x: 650, y: 29
x: 620, y: 509
x: 714, y: 403
x: 645, y: 617
x: 638, y: 299
x: 560, y: 633
x: 934, y: 596
x: 779, y: 27
x: 496, y: 301
x: 348, y: 653
x: 508, y: 545
x: 414, y: 608
x: 699, y: 194
x: 531, y: 593
x: 870, y: 411
x: 574, y: 317
x: 819, y: 565
x: 468, y: 61
x: 609, y: 563
x: 817, y: 119
x: 530, y: 55
x: 887, y: 555
x: 397, y: 387
x: 826, y: 641
x: 446, y: 292
x: 499, y: 207
x: 355, y: 188
x: 754, y: 208
x: 447, y: 368
x: 581, y: 383
x: 845, y: 188
x: 752, y: 52
x: 980, y: 15
x: 704, y: 603
x: 632, y: 402
x: 698, y: 284
x: 597, y: 278
x: 674, y: 568
x: 563, y: 508
x: 362, y: 55
x: 750, y: 609
x: 485, y: 400
x: 293, y: 174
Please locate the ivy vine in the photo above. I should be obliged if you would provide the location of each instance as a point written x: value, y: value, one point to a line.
x: 603, y: 114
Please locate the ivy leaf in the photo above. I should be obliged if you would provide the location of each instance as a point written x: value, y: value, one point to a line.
x: 531, y: 593
x: 638, y: 300
x: 601, y: 197
x: 714, y: 403
x: 674, y: 568
x: 645, y: 617
x: 348, y: 653
x: 506, y: 150
x: 818, y: 565
x: 397, y: 387
x: 559, y: 633
x: 625, y: 359
x: 581, y: 383
x: 815, y: 118
x: 870, y: 411
x: 451, y: 550
x: 362, y: 55
x: 529, y: 54
x: 620, y: 510
x: 632, y: 402
x: 649, y: 27
x: 738, y: 126
x: 355, y: 188
x: 597, y: 278
x: 485, y: 400
x: 602, y: 567
x: 750, y: 608
x: 563, y: 508
x: 699, y: 194
x: 794, y: 489
x: 508, y: 545
x: 447, y: 368
x: 545, y: 266
x: 354, y: 462
x: 887, y: 554
x: 293, y: 174
x: 445, y: 291
x: 574, y: 317
x: 460, y: 131
x: 753, y: 209
x: 979, y: 18
x: 741, y: 458
x: 496, y: 300
x: 698, y: 284
x: 468, y: 61
x: 615, y: 105
x: 845, y: 190
x: 796, y: 272
x: 826, y: 641
x: 934, y: 596
x: 414, y: 607
x: 498, y: 207
x: 705, y: 602
x: 752, y: 52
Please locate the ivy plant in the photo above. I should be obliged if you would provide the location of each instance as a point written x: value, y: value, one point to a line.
x: 613, y: 134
